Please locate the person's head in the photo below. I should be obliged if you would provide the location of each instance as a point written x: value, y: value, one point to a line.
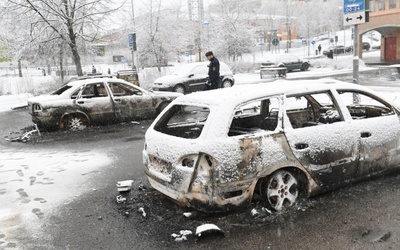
x: 210, y: 55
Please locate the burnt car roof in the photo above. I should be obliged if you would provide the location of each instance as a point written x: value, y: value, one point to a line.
x: 241, y: 93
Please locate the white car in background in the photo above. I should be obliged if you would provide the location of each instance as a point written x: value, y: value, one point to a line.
x: 192, y: 77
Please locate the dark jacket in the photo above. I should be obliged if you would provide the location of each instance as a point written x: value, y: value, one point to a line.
x: 213, y: 72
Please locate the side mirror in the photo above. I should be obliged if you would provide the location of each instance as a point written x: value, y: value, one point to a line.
x: 191, y: 75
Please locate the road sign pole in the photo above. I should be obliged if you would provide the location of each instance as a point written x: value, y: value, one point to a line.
x: 355, y: 56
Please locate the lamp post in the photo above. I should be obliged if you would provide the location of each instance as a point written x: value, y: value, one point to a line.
x: 288, y: 38
x: 206, y: 25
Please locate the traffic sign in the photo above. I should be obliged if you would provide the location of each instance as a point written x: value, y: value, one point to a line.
x: 313, y: 42
x: 354, y: 18
x: 351, y: 6
x: 275, y: 41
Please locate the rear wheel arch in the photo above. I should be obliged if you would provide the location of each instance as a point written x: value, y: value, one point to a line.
x: 162, y: 106
x: 180, y: 88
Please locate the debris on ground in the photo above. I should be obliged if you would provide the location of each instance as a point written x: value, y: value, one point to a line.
x: 135, y: 122
x: 26, y: 136
x: 254, y: 212
x: 375, y: 236
x: 182, y: 235
x: 141, y: 187
x: 120, y: 199
x: 124, y: 186
x: 191, y: 215
x: 208, y: 228
x: 141, y: 210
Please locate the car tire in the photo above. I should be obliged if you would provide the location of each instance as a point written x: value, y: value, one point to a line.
x: 280, y: 190
x: 180, y: 89
x: 76, y: 122
x: 226, y: 84
x: 162, y: 106
x: 304, y: 66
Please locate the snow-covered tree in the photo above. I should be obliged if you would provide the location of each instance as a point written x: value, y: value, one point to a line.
x: 69, y: 22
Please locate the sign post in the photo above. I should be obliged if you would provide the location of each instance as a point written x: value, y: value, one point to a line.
x: 354, y: 13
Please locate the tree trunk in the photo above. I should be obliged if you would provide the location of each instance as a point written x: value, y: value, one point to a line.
x: 77, y: 60
x: 19, y: 68
x: 61, y: 66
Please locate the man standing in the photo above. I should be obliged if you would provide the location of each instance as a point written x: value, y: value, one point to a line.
x: 319, y: 49
x: 213, y: 71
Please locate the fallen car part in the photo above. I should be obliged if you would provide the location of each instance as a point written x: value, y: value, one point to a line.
x: 208, y: 228
x: 26, y: 136
x: 124, y: 186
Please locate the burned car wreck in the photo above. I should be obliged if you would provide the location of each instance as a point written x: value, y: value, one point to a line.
x: 215, y: 150
x: 81, y: 103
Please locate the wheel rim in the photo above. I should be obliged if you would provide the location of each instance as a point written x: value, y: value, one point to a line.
x: 76, y: 123
x: 180, y: 89
x: 282, y: 190
x: 227, y: 84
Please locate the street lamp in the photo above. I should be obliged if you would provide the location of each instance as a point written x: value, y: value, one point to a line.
x: 206, y: 25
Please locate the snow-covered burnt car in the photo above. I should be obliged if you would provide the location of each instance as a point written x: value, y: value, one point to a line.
x: 192, y: 77
x: 96, y: 101
x: 283, y: 141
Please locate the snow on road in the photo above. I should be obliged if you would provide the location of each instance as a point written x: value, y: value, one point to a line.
x: 33, y: 183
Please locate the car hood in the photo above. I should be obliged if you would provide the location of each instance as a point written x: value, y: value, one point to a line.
x: 169, y: 79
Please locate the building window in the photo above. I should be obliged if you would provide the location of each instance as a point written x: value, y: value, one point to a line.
x: 372, y: 6
x: 392, y: 4
x: 381, y: 4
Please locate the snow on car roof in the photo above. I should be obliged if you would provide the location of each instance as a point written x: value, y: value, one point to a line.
x: 242, y: 93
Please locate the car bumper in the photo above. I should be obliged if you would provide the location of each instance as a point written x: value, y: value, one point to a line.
x: 200, y: 198
x: 163, y: 88
x: 46, y: 121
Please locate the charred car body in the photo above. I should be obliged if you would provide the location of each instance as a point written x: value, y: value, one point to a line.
x: 82, y: 103
x: 215, y: 150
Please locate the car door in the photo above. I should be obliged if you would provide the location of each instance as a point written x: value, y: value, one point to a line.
x: 131, y: 102
x: 198, y: 78
x: 378, y: 129
x: 95, y: 101
x: 255, y: 142
x: 320, y: 138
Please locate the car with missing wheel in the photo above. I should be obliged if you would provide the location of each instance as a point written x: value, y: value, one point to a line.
x: 96, y: 101
x: 282, y: 142
x: 192, y: 77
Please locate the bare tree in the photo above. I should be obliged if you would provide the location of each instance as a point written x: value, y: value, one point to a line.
x: 70, y: 22
x: 233, y: 29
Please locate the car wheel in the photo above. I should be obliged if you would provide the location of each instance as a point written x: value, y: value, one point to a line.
x: 179, y: 88
x: 281, y: 190
x: 76, y: 122
x: 304, y: 67
x: 226, y: 84
x: 161, y: 107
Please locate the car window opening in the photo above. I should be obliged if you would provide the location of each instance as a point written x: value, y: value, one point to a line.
x: 255, y: 116
x: 311, y: 110
x: 362, y: 106
x: 119, y: 89
x: 185, y: 121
